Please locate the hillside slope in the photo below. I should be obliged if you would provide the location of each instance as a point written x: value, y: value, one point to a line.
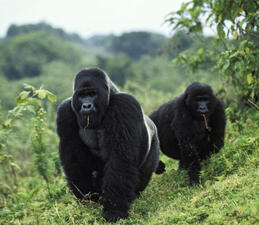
x: 228, y: 193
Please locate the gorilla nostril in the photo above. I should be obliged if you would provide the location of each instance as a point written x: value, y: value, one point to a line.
x: 203, y: 109
x: 87, y: 106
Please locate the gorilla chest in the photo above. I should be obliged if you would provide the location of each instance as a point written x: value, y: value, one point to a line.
x: 201, y: 132
x: 93, y: 139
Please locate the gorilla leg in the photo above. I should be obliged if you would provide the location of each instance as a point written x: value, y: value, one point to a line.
x: 160, y: 168
x: 83, y: 181
x: 150, y: 165
x: 190, y: 161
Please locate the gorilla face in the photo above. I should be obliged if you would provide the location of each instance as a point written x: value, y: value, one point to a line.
x: 199, y: 100
x: 91, y: 97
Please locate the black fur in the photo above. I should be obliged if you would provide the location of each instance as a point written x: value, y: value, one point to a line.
x: 182, y: 130
x: 110, y: 155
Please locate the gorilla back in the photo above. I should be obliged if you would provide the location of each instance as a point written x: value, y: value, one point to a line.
x: 191, y: 127
x: 108, y: 147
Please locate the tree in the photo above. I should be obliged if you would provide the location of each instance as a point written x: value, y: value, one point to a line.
x: 25, y: 54
x: 118, y: 67
x: 236, y: 23
x: 136, y: 44
x: 15, y: 30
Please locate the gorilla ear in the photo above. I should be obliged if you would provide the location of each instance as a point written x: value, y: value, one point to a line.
x: 73, y: 85
x: 185, y: 99
x: 185, y: 96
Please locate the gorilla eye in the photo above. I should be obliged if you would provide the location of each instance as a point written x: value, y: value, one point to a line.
x: 81, y: 95
x: 87, y: 94
x: 202, y: 98
x: 91, y: 93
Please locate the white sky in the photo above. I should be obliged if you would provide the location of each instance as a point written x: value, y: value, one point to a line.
x: 88, y: 17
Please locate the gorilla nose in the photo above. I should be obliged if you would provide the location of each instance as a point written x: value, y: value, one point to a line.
x: 203, y: 109
x: 86, y: 107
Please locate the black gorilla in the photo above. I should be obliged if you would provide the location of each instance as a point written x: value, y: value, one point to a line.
x: 108, y: 147
x: 191, y: 127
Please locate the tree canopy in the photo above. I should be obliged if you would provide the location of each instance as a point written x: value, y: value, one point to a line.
x: 25, y: 54
x: 136, y: 44
x: 236, y: 24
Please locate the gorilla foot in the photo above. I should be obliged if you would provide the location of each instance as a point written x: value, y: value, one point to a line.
x: 114, y: 215
x: 194, y: 180
x: 160, y: 168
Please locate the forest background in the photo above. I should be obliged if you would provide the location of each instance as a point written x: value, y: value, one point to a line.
x: 37, y: 65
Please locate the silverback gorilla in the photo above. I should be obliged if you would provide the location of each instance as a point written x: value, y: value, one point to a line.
x: 191, y: 128
x: 108, y: 147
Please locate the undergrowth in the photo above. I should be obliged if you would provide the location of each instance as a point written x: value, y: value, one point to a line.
x: 36, y: 192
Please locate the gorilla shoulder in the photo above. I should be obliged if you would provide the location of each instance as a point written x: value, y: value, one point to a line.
x: 127, y: 101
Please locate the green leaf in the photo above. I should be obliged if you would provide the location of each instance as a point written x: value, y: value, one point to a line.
x: 31, y: 109
x: 15, y: 165
x: 51, y: 96
x: 34, y: 102
x: 251, y: 140
x: 201, y: 51
x: 22, y: 196
x: 33, y: 192
x: 17, y: 111
x: 7, y: 123
x: 226, y: 65
x: 29, y: 87
x: 220, y: 30
x: 250, y: 78
x: 22, y: 97
x: 4, y: 212
x: 235, y: 35
x: 41, y: 93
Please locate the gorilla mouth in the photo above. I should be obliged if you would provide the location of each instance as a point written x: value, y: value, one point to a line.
x: 87, y: 121
x: 206, y: 122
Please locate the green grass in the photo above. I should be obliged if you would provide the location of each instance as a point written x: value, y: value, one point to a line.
x: 228, y: 193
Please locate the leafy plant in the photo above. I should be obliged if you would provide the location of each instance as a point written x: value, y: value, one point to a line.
x: 236, y: 25
x: 29, y: 100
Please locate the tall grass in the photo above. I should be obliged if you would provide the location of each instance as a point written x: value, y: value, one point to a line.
x: 228, y: 192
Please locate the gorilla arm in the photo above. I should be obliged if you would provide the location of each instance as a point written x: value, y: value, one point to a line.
x: 186, y: 136
x: 123, y: 125
x: 72, y: 150
x: 218, y: 123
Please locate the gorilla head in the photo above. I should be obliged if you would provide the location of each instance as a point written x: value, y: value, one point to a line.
x: 200, y: 100
x: 91, y: 97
